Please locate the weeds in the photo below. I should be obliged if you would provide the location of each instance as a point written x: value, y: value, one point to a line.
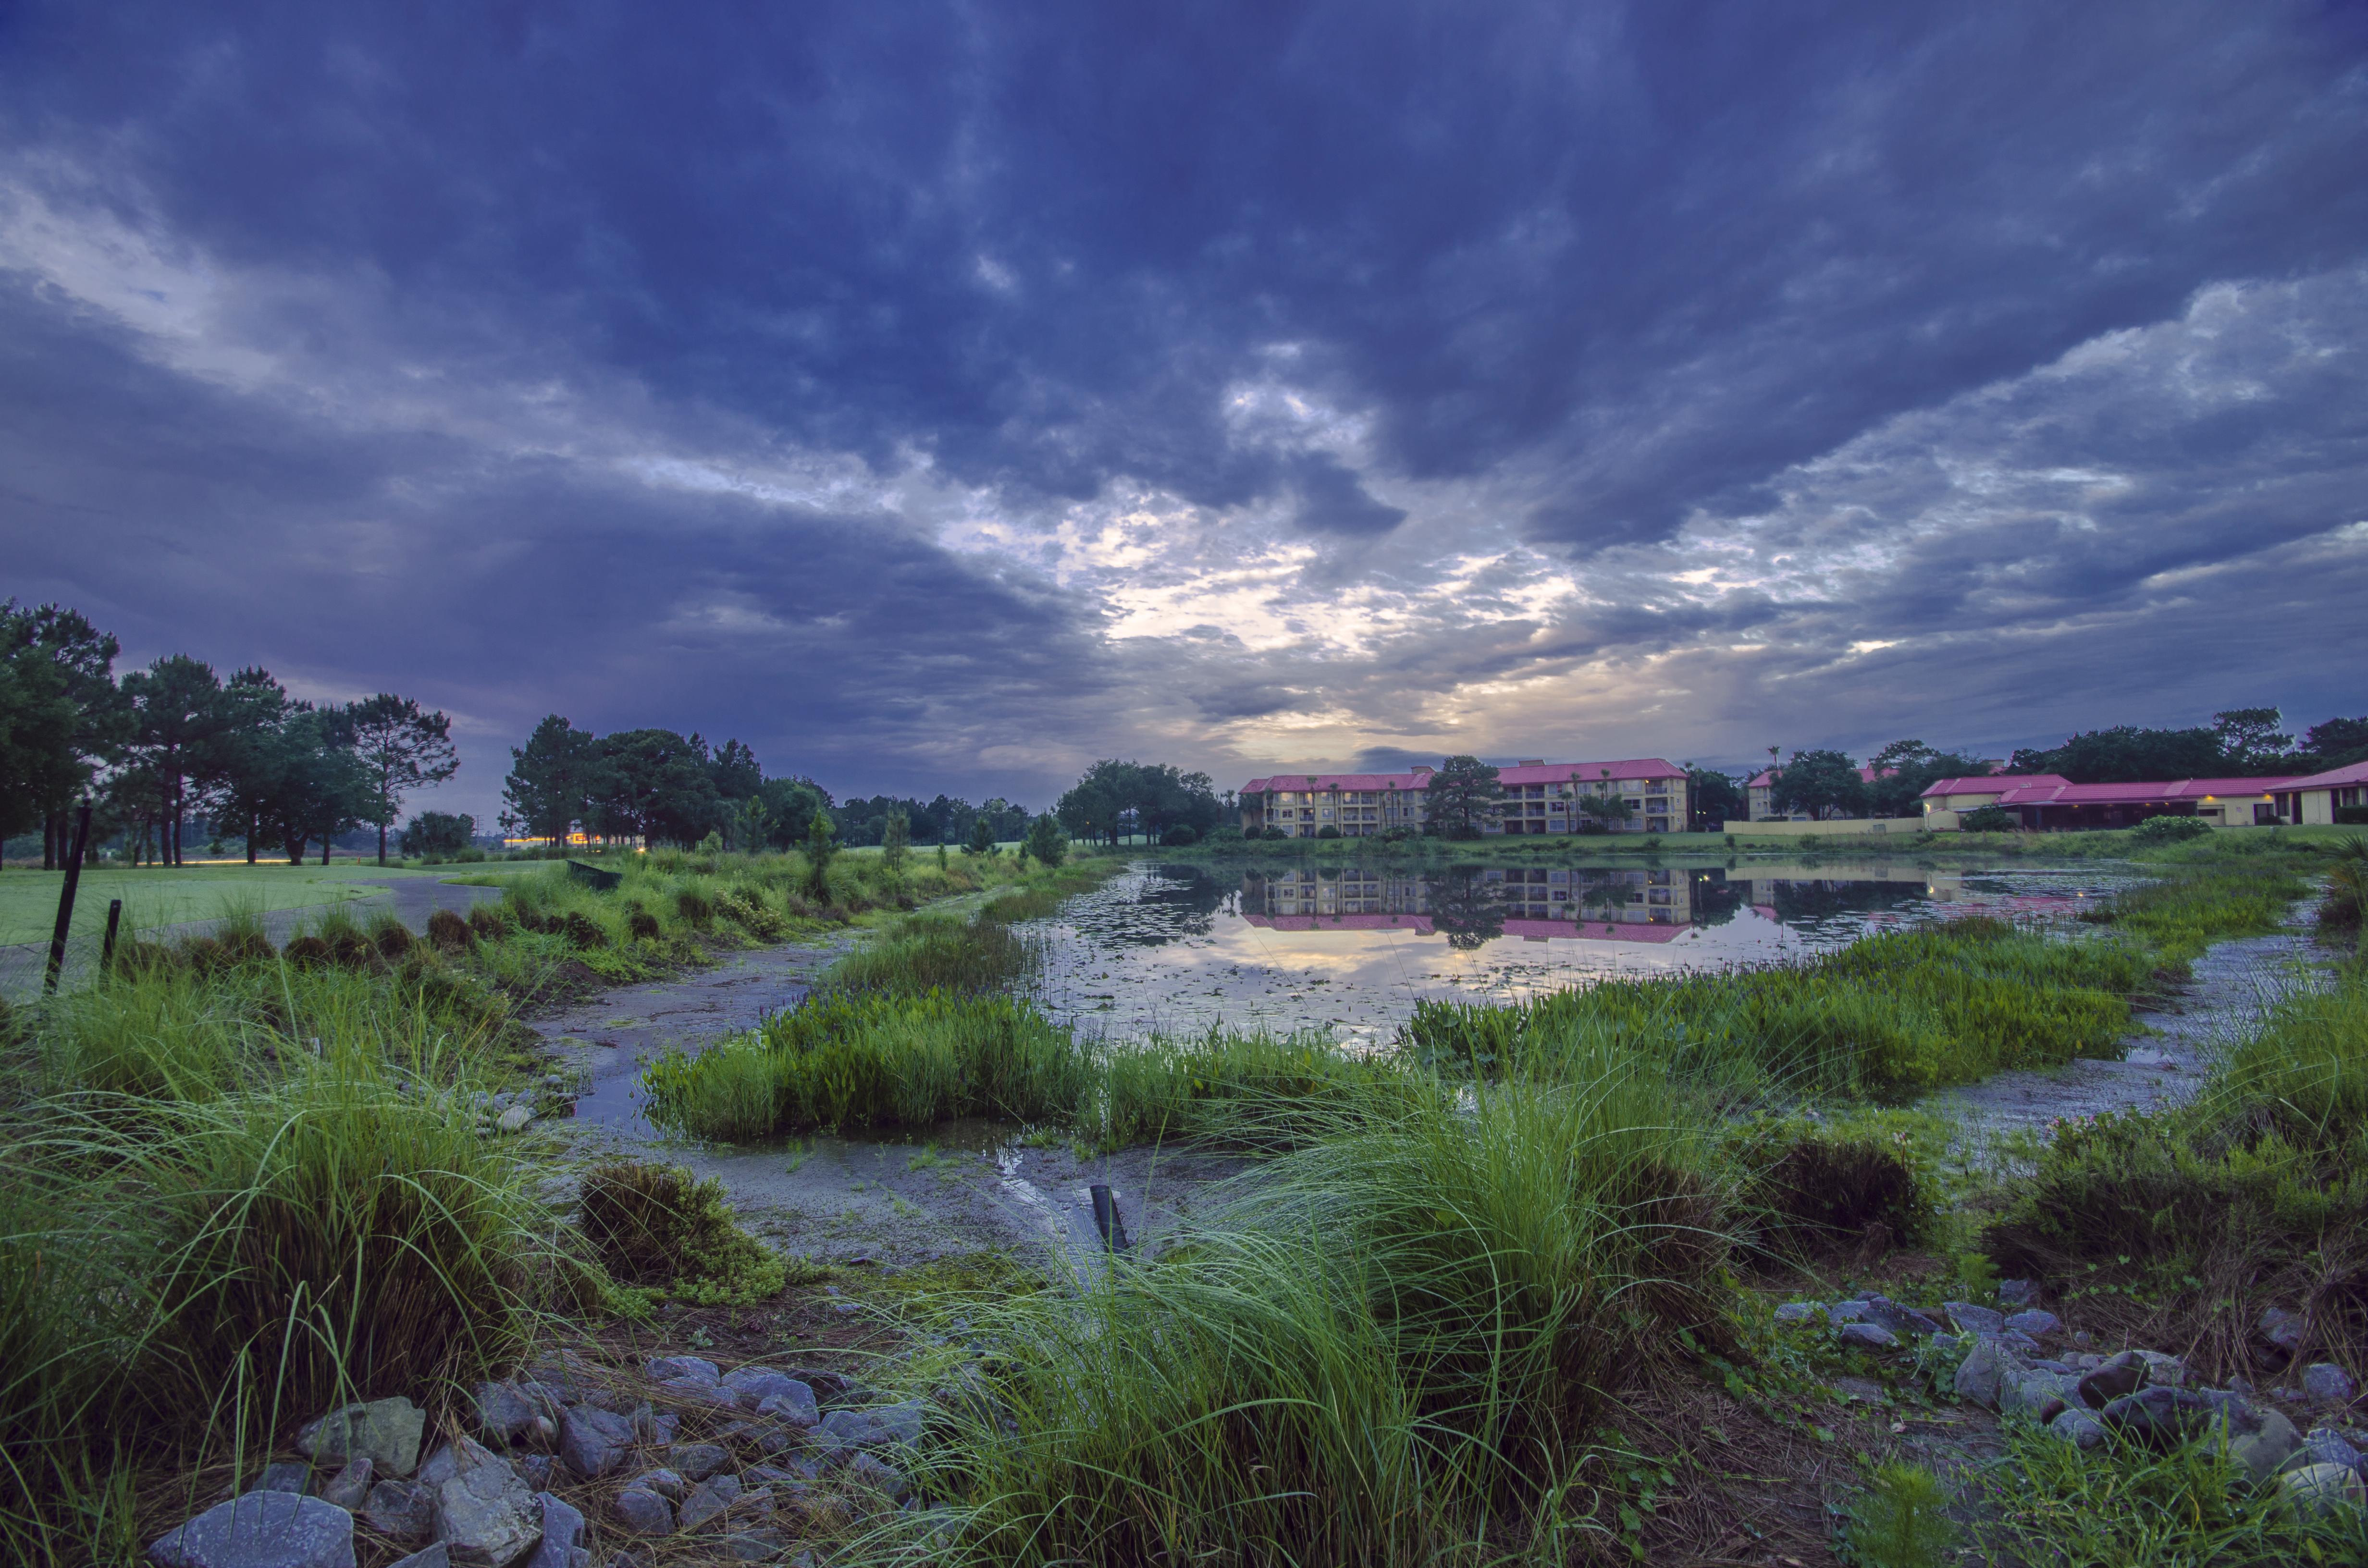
x: 1899, y: 1522
x: 657, y: 1227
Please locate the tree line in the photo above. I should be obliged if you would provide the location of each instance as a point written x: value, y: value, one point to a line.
x: 175, y: 743
x: 1157, y: 799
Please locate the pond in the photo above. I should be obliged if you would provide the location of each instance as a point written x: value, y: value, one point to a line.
x: 1174, y: 949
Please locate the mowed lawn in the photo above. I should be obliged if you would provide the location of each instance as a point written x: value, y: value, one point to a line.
x: 155, y: 896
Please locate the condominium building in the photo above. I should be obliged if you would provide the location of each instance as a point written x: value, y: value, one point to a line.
x: 1535, y: 797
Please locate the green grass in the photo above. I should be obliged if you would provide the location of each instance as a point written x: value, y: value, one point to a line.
x: 2199, y: 904
x: 1888, y: 1017
x: 155, y: 896
x: 1388, y: 1349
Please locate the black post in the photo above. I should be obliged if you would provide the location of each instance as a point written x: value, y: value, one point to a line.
x: 1105, y: 1218
x: 66, y: 898
x: 114, y: 919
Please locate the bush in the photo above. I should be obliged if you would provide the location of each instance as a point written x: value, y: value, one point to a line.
x: 657, y: 1227
x: 1327, y: 831
x: 695, y: 907
x: 1989, y: 819
x: 2352, y: 817
x: 448, y: 931
x: 2171, y: 830
x: 1819, y: 1191
x: 2347, y: 887
x: 1183, y: 837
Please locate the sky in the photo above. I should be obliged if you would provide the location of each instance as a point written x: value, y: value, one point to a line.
x: 941, y: 396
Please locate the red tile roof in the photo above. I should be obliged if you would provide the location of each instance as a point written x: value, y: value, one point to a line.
x: 2356, y: 773
x: 1547, y: 773
x: 2049, y: 789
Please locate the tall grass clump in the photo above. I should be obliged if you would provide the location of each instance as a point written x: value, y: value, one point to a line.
x: 2182, y: 913
x: 852, y: 1059
x: 1891, y: 1016
x: 658, y: 1228
x: 2185, y: 1221
x: 940, y: 952
x: 1251, y: 1090
x: 1384, y: 1350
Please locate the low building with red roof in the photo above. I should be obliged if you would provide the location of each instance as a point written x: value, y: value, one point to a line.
x: 2048, y: 802
x: 2334, y: 796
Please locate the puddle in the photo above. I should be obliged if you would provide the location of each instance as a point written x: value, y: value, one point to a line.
x: 1177, y: 949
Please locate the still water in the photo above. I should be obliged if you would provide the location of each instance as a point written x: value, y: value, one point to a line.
x: 1174, y: 949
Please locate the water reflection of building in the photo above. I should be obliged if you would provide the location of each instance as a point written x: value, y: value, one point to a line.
x: 1538, y: 903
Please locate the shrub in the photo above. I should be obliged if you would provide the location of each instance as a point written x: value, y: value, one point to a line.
x: 657, y: 1227
x: 1817, y: 1191
x: 489, y: 922
x: 1990, y: 819
x: 1047, y: 841
x: 2171, y: 830
x: 391, y: 938
x: 1901, y: 1521
x: 1183, y: 837
x: 447, y: 931
x: 582, y: 931
x: 747, y: 908
x: 2352, y: 817
x: 643, y: 926
x: 2347, y: 886
x: 1327, y: 831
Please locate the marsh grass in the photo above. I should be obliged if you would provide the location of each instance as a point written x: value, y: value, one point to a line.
x: 1386, y: 1350
x: 659, y: 1228
x: 1890, y: 1017
x: 2181, y: 915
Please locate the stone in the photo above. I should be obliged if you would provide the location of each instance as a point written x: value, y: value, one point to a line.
x: 484, y: 1513
x: 350, y: 1487
x: 824, y: 1382
x: 504, y: 1412
x: 384, y: 1431
x: 2318, y: 1490
x: 2260, y: 1440
x: 1979, y: 1374
x: 1841, y: 1313
x: 1905, y: 1323
x: 2123, y: 1374
x: 653, y: 1426
x: 2162, y: 1372
x: 1796, y: 1312
x: 2078, y: 1427
x: 2015, y: 1292
x: 1972, y: 1319
x: 1867, y: 1336
x: 434, y: 1556
x: 755, y: 1546
x: 696, y: 1368
x: 867, y: 1471
x: 874, y: 1427
x: 752, y: 1386
x: 644, y: 1512
x: 2327, y: 1383
x: 2038, y: 1325
x: 2022, y: 1344
x: 696, y: 1461
x: 262, y: 1529
x: 403, y: 1509
x: 538, y: 1470
x: 514, y: 1118
x: 667, y: 1483
x: 726, y: 1486
x: 793, y: 1405
x: 2325, y: 1444
x: 439, y: 1468
x: 2033, y: 1394
x: 562, y: 1535
x: 2280, y: 1328
x: 285, y: 1476
x: 592, y: 1441
x: 703, y: 1507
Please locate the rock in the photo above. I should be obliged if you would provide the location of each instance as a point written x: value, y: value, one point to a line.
x: 696, y: 1369
x: 403, y: 1509
x: 2034, y: 1322
x: 795, y: 1407
x: 285, y: 1476
x: 696, y: 1461
x: 592, y: 1441
x: 667, y: 1483
x: 562, y: 1535
x: 538, y: 1470
x: 644, y: 1512
x: 384, y: 1431
x: 2327, y: 1383
x: 514, y: 1120
x: 824, y: 1382
x: 752, y: 1386
x: 1799, y: 1313
x: 262, y: 1529
x: 690, y: 1391
x: 2280, y: 1328
x: 2078, y: 1427
x: 440, y: 1466
x: 1978, y: 1375
x: 351, y: 1486
x: 436, y: 1556
x: 504, y: 1412
x: 484, y: 1513
x: 2033, y: 1395
x: 1971, y: 1318
x: 755, y: 1546
x: 703, y: 1507
x: 651, y: 1426
x: 1841, y: 1313
x: 2124, y: 1374
x: 2320, y: 1489
x: 726, y: 1486
x: 2015, y: 1292
x: 2020, y: 1343
x: 2162, y: 1372
x: 2260, y: 1440
x: 869, y: 1471
x: 2325, y: 1444
x: 1867, y: 1336
x: 1905, y: 1323
x: 874, y: 1427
